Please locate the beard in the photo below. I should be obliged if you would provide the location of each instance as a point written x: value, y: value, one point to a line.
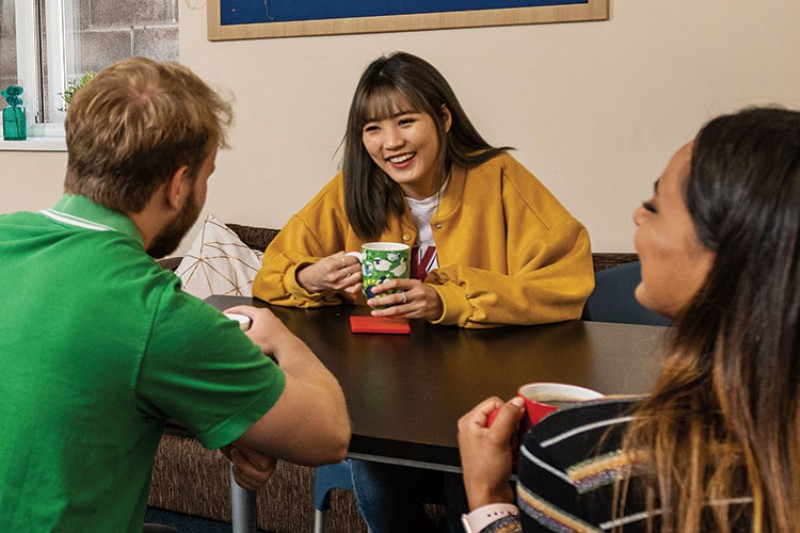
x: 170, y: 237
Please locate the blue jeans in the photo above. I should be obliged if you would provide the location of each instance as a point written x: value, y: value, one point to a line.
x: 390, y: 498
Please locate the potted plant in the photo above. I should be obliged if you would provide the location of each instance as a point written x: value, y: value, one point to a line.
x: 73, y: 86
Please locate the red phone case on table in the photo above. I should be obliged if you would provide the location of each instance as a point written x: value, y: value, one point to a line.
x: 372, y: 324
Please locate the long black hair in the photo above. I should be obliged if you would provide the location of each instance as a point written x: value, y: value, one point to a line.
x: 370, y: 195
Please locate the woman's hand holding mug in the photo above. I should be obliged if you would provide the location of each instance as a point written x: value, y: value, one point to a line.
x: 337, y: 272
x: 406, y: 298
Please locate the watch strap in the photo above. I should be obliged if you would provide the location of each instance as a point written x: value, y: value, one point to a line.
x: 481, y: 517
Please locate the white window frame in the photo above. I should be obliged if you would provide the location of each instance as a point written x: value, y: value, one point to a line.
x: 29, y: 67
x: 61, y: 28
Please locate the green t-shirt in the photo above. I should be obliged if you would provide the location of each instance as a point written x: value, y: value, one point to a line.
x: 98, y: 347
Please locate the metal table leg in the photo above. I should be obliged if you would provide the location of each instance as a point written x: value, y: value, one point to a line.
x: 243, y: 508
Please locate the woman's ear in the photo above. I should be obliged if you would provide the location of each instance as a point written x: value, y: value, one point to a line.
x: 448, y: 118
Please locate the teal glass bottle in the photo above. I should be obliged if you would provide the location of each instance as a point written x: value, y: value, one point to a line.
x: 14, y: 126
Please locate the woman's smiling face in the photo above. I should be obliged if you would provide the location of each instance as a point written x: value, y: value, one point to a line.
x: 675, y: 263
x: 406, y: 146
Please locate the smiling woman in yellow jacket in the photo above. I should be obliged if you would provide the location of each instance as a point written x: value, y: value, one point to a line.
x: 492, y: 246
x: 508, y: 251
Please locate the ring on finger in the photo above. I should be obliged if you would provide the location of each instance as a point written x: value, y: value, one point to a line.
x: 344, y: 263
x: 405, y: 298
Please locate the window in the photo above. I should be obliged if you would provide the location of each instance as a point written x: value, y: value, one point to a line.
x: 44, y: 44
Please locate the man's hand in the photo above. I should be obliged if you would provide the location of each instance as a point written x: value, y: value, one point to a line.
x: 251, y: 469
x: 266, y: 330
x: 308, y: 424
x: 487, y: 453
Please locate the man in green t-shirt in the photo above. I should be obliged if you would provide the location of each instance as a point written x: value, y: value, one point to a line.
x: 99, y: 346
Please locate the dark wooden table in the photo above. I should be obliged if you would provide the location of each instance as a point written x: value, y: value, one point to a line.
x: 405, y: 393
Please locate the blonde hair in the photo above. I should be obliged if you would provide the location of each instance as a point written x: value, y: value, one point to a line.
x: 134, y: 125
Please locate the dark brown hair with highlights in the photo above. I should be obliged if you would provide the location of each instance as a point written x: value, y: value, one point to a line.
x: 723, y: 420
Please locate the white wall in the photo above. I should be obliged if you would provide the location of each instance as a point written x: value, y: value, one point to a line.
x: 594, y: 109
x: 30, y: 180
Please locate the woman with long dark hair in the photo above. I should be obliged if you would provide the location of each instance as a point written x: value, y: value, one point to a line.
x: 715, y: 446
x: 490, y: 244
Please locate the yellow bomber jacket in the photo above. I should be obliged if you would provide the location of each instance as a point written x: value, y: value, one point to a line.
x: 509, y: 252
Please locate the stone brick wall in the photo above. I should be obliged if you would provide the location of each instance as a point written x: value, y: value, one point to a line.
x: 111, y: 30
x: 8, y: 46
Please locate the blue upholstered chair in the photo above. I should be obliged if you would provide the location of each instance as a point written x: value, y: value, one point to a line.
x: 613, y: 299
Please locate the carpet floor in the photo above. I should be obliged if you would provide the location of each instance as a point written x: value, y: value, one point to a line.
x: 187, y: 524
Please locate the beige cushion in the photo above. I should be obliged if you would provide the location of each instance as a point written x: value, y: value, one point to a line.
x: 219, y: 262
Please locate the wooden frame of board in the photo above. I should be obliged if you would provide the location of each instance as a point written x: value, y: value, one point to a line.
x: 589, y: 10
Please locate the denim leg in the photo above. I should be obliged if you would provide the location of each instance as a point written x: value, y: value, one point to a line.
x: 389, y: 497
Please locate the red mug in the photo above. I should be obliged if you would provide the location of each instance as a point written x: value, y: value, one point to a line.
x: 541, y: 399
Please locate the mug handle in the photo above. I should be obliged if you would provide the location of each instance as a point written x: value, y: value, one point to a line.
x: 357, y: 255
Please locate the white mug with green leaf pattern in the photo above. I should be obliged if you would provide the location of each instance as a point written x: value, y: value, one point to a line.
x: 382, y: 261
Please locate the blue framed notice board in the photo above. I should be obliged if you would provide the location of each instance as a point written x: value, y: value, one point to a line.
x: 250, y: 19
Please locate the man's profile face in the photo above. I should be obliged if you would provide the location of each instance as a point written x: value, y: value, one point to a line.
x: 170, y: 237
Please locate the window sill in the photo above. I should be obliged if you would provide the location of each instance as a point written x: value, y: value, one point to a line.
x: 35, y: 144
x: 41, y: 138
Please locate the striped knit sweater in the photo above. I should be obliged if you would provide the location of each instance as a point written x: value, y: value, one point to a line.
x: 567, y: 468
